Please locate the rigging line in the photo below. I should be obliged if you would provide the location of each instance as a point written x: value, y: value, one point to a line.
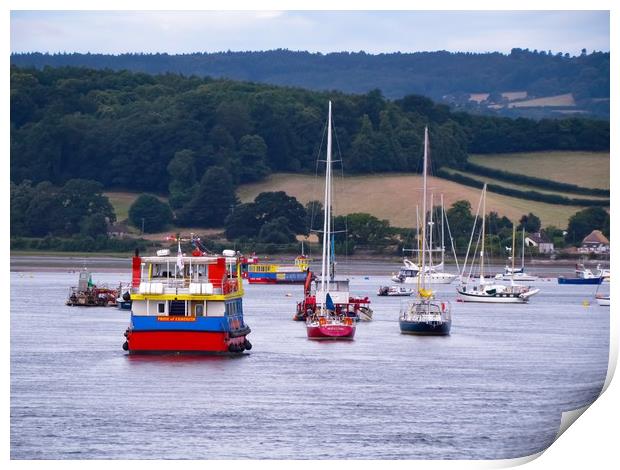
x: 472, y: 235
x: 314, y: 209
x: 456, y: 260
x: 346, y: 221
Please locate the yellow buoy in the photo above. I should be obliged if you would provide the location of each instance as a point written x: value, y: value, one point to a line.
x: 585, y: 303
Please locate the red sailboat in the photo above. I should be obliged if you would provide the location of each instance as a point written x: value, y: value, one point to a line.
x: 327, y: 318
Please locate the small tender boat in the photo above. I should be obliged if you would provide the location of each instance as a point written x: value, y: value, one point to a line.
x: 123, y: 302
x: 394, y: 291
x: 187, y: 304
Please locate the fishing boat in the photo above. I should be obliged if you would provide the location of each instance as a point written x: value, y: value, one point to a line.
x: 87, y: 294
x: 484, y: 290
x: 187, y: 304
x: 434, y: 273
x: 583, y: 276
x: 394, y: 291
x: 268, y: 273
x: 513, y: 274
x: 325, y: 320
x: 426, y: 314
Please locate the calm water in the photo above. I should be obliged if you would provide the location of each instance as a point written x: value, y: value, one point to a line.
x: 494, y: 389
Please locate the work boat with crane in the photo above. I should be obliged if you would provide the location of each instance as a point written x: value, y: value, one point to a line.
x: 187, y: 304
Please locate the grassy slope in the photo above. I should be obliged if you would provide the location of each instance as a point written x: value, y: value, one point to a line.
x: 524, y: 187
x: 587, y: 169
x: 395, y: 196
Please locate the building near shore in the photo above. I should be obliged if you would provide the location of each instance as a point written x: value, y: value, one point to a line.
x: 541, y: 241
x: 595, y: 242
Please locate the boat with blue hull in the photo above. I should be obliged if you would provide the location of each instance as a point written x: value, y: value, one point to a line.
x: 426, y: 315
x: 580, y: 280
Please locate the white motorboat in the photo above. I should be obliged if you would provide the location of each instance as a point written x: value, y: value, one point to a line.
x: 394, y: 291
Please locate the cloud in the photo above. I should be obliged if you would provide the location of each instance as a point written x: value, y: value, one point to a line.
x: 322, y: 31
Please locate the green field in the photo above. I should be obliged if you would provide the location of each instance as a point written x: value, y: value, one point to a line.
x: 586, y: 169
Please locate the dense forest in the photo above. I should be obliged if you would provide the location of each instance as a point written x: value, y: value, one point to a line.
x: 161, y: 133
x: 440, y: 75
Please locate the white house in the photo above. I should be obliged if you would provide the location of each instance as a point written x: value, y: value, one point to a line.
x: 540, y: 241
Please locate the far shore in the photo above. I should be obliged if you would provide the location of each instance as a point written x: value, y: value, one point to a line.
x: 357, y: 264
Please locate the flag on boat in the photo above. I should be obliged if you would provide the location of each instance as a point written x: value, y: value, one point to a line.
x: 329, y: 303
x: 180, y: 264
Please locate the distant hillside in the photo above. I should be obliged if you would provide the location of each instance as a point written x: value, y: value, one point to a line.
x: 459, y: 79
x: 162, y: 133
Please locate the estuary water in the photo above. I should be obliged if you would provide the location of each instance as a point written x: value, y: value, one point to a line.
x: 495, y: 388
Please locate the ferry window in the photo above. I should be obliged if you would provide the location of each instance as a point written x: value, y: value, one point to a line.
x: 199, y: 310
x: 161, y: 307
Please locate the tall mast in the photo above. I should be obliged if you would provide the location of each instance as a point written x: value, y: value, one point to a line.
x: 430, y: 237
x: 514, y: 228
x: 443, y: 248
x: 484, y: 211
x: 423, y: 270
x: 325, y: 263
x: 523, y: 248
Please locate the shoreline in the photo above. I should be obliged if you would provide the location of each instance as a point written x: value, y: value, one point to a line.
x: 372, y: 265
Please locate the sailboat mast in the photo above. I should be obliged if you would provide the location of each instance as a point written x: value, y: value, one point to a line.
x: 523, y: 248
x: 430, y: 237
x: 484, y: 211
x: 514, y: 228
x: 423, y: 270
x: 327, y: 212
x: 443, y: 248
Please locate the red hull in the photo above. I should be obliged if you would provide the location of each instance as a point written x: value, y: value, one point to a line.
x: 331, y: 332
x: 181, y: 341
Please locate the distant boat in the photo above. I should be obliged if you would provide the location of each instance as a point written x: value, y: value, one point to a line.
x: 602, y: 300
x: 425, y: 315
x: 433, y: 273
x: 269, y: 273
x: 485, y: 291
x: 517, y: 274
x: 394, y: 291
x: 87, y: 294
x: 580, y: 280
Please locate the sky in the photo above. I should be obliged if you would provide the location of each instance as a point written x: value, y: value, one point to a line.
x: 117, y: 32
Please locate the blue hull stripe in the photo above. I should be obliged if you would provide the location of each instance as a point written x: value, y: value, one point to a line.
x: 288, y: 277
x: 214, y: 324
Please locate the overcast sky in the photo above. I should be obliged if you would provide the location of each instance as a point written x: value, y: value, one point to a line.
x: 316, y: 31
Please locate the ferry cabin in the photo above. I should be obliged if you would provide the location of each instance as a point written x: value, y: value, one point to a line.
x: 187, y: 304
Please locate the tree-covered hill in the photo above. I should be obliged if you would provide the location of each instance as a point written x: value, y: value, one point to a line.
x: 162, y: 133
x: 440, y: 75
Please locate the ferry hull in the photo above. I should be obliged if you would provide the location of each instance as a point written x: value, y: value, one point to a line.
x: 425, y: 328
x: 183, y: 341
x: 331, y: 332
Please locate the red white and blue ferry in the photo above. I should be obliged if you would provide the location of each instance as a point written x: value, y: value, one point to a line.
x: 187, y: 304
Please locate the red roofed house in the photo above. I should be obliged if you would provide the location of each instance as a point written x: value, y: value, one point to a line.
x: 596, y: 242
